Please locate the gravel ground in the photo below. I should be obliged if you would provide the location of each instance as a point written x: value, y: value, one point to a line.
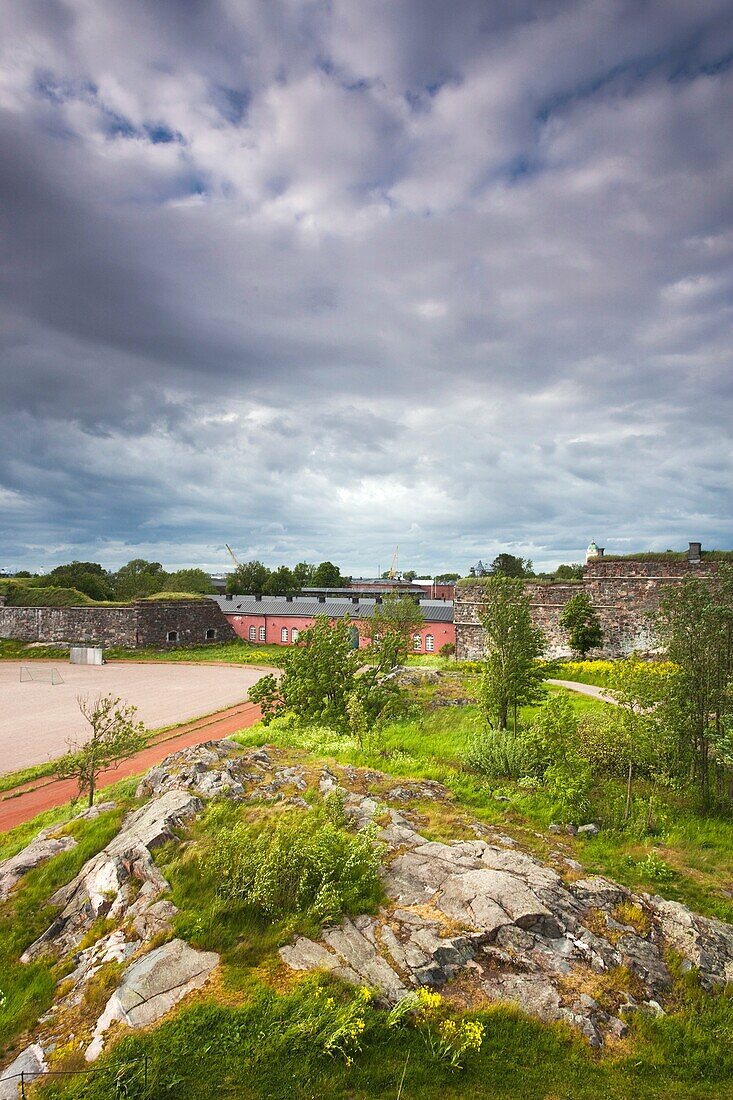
x: 37, y: 719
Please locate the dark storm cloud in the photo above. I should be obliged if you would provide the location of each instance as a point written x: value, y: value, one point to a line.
x: 320, y: 278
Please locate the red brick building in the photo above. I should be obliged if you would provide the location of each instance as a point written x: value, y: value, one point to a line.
x: 279, y: 620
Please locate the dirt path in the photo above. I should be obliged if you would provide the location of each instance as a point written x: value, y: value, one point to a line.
x: 25, y: 802
x: 585, y: 689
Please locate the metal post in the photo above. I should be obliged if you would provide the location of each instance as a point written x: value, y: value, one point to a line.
x: 22, y: 1084
x: 145, y: 1074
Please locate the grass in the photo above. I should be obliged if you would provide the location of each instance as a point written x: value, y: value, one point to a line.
x: 321, y: 1040
x: 28, y: 989
x: 235, y: 652
x: 11, y: 650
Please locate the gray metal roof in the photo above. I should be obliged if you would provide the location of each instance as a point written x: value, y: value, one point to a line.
x: 435, y: 611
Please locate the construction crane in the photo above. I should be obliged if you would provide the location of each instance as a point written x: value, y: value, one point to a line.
x: 235, y: 559
x: 392, y: 573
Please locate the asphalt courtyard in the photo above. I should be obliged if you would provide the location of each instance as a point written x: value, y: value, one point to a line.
x: 38, y: 718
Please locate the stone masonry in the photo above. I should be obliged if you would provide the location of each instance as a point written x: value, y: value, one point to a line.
x: 624, y: 592
x: 144, y: 623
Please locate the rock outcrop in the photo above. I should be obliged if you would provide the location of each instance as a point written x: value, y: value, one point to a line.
x: 30, y: 1063
x: 152, y: 986
x: 480, y: 918
x: 514, y: 929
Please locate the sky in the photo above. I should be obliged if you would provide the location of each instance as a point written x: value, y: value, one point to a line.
x: 317, y: 278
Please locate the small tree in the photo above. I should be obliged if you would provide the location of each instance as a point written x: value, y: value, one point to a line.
x: 637, y: 686
x: 580, y: 619
x: 512, y: 674
x: 328, y: 575
x: 115, y: 736
x: 321, y: 675
x: 281, y: 582
x: 507, y: 565
x: 391, y: 629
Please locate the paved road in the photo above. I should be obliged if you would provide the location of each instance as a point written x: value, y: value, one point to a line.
x: 46, y: 794
x: 585, y: 689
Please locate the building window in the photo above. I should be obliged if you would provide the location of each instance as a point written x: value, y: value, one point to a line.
x: 263, y: 635
x: 210, y: 634
x: 429, y: 643
x: 284, y: 635
x: 294, y: 635
x: 172, y: 636
x: 253, y: 634
x: 416, y: 641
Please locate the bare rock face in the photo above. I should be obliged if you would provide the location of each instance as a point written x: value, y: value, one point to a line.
x: 42, y: 848
x: 106, y: 884
x: 513, y: 927
x: 152, y: 986
x: 31, y: 1063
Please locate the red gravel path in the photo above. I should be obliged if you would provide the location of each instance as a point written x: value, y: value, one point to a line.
x: 46, y: 794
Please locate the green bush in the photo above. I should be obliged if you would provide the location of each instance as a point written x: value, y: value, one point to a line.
x: 307, y: 864
x: 600, y: 742
x: 569, y: 785
x: 502, y: 754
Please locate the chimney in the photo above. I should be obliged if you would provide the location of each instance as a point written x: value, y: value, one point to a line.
x: 354, y: 599
x: 695, y: 551
x: 321, y: 599
x: 229, y: 596
x: 601, y: 551
x: 289, y: 599
x: 258, y: 597
x: 377, y: 599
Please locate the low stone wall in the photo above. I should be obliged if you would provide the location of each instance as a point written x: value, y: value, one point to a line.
x: 548, y: 601
x: 154, y: 623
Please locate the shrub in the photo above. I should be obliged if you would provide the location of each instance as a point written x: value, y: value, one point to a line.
x: 569, y: 785
x: 501, y: 754
x: 447, y: 649
x: 600, y: 743
x: 448, y: 1038
x: 307, y: 864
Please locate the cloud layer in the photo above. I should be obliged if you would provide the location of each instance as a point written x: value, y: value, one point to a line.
x: 316, y: 278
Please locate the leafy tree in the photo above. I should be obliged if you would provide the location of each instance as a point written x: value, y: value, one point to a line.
x: 447, y: 578
x: 695, y: 621
x: 303, y: 574
x: 512, y: 675
x: 569, y: 572
x: 251, y: 578
x: 138, y: 578
x: 115, y: 736
x: 507, y: 565
x: 189, y: 580
x: 410, y: 575
x: 281, y: 582
x: 88, y: 577
x: 328, y: 575
x: 322, y: 676
x: 638, y: 687
x: 580, y: 619
x: 392, y: 627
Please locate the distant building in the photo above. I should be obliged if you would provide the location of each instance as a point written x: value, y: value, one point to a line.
x: 279, y: 620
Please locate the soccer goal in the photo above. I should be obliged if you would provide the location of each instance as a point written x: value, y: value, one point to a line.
x: 40, y: 675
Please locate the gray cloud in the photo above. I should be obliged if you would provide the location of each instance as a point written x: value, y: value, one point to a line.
x: 319, y: 279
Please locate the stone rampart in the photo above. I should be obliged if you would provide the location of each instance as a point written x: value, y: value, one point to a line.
x: 625, y: 594
x: 153, y: 623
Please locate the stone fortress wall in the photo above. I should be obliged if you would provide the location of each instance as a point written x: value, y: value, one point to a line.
x: 625, y: 593
x: 144, y: 623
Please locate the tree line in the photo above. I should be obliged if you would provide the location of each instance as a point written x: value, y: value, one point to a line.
x: 136, y: 579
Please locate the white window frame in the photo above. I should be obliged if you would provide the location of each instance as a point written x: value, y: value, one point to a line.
x: 417, y: 642
x: 172, y: 636
x: 429, y: 643
x: 253, y: 634
x: 210, y: 635
x: 263, y: 634
x: 294, y: 634
x: 283, y: 635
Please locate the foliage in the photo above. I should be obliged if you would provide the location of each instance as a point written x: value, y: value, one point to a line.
x: 88, y: 577
x: 328, y: 575
x: 695, y: 621
x: 580, y: 619
x: 322, y: 673
x: 447, y: 649
x: 281, y: 582
x: 512, y: 674
x: 307, y: 864
x: 138, y: 578
x: 569, y: 572
x: 501, y: 754
x: 115, y: 736
x: 508, y: 565
x: 569, y: 785
x: 391, y: 629
x: 250, y: 577
x: 448, y: 1038
x: 189, y: 580
x: 638, y: 687
x: 20, y: 595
